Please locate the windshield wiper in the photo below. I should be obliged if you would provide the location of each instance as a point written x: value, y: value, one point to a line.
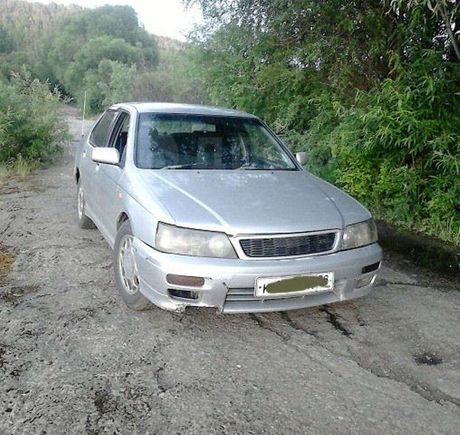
x: 249, y: 168
x: 187, y: 166
x: 247, y: 165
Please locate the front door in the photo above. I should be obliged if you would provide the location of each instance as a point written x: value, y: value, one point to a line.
x: 109, y: 176
x: 89, y: 169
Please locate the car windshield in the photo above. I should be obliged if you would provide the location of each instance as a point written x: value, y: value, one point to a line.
x: 173, y: 141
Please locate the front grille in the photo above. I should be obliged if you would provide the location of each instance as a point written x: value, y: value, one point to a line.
x: 288, y: 246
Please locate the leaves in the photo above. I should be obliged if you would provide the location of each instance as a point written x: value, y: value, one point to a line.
x: 30, y: 124
x: 367, y: 88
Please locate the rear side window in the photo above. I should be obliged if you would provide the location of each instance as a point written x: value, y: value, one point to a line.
x: 100, y: 135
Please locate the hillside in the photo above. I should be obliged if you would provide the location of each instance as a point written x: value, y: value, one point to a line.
x: 26, y: 22
x: 165, y: 43
x: 104, y: 52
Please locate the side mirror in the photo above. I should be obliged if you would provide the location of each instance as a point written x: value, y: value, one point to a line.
x: 110, y: 156
x: 301, y: 157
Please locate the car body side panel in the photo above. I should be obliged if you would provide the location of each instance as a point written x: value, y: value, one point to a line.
x: 87, y: 170
x: 143, y: 223
x: 108, y: 196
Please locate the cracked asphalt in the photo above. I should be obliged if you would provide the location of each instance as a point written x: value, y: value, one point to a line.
x: 74, y: 359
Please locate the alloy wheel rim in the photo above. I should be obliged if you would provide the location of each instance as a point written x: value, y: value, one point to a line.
x: 127, y: 265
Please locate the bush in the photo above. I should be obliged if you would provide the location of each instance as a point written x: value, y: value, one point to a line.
x: 398, y: 148
x: 30, y: 123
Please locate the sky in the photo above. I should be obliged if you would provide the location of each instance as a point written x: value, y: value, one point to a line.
x: 161, y: 17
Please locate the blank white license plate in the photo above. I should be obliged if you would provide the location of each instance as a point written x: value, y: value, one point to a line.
x: 297, y: 285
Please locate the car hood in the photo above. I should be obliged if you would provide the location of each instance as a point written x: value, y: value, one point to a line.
x: 249, y: 202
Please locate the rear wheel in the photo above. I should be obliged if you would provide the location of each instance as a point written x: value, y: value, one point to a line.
x: 84, y: 221
x: 126, y: 272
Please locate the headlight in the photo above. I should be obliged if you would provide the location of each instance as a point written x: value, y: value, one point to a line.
x: 360, y: 234
x: 184, y: 241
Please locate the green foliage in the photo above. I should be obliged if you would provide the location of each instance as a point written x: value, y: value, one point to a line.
x: 102, y: 52
x: 99, y: 51
x: 368, y: 88
x: 30, y: 125
x: 174, y: 80
x: 437, y: 12
x: 69, y: 47
x: 120, y: 81
x: 397, y: 149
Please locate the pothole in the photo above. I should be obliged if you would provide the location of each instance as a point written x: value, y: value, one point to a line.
x: 13, y: 294
x: 427, y: 358
x: 104, y: 402
x: 2, y: 356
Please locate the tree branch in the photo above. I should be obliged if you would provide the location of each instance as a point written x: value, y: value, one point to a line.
x: 445, y: 17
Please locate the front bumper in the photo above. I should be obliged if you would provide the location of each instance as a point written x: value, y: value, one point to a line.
x: 229, y: 283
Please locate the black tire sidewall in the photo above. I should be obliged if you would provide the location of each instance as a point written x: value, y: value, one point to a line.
x: 84, y: 221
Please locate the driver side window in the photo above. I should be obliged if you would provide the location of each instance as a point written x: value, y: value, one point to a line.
x: 119, y: 137
x: 100, y: 134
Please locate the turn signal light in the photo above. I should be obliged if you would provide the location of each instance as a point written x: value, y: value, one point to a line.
x: 188, y: 281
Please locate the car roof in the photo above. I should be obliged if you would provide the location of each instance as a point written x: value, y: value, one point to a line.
x: 192, y: 109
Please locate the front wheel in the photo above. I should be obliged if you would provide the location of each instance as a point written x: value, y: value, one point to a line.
x: 126, y: 272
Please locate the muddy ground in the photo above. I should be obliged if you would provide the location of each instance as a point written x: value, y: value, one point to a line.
x: 74, y: 359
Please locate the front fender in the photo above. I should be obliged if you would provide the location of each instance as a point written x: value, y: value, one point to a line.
x: 143, y: 223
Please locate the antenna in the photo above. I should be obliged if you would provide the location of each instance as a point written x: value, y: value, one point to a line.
x: 83, y: 120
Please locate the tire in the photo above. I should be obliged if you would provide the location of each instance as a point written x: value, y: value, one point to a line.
x: 84, y: 222
x: 125, y: 269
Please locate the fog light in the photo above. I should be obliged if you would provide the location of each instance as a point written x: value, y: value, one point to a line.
x: 370, y: 267
x: 189, y: 281
x: 363, y: 282
x: 182, y: 294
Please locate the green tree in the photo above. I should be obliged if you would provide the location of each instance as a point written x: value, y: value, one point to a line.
x: 368, y: 88
x: 119, y: 83
x: 84, y: 40
x: 445, y: 13
x: 175, y: 79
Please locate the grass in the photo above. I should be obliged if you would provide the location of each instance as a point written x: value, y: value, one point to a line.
x: 19, y: 168
x: 4, y: 173
x: 6, y: 260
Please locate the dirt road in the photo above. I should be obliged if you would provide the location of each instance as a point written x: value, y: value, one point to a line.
x: 74, y: 359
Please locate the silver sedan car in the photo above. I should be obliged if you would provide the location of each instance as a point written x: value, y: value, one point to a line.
x: 207, y: 207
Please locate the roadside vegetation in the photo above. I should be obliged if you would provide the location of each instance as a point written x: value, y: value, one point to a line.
x: 369, y: 88
x: 31, y: 127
